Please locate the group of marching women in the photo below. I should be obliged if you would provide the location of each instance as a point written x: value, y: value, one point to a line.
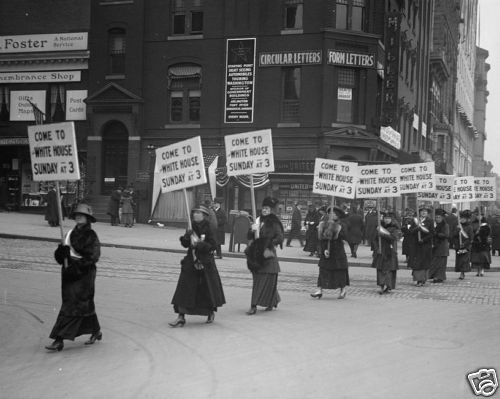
x: 199, y: 290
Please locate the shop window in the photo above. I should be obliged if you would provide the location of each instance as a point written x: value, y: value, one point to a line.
x: 293, y: 12
x: 117, y: 51
x: 346, y: 94
x: 290, y: 97
x: 187, y: 17
x: 57, y: 103
x: 350, y: 15
x: 184, y: 85
x: 4, y: 103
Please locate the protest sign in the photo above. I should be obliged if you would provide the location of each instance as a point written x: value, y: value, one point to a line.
x: 463, y: 189
x: 485, y: 189
x: 250, y: 152
x: 443, y: 192
x: 180, y: 165
x: 378, y: 181
x: 336, y: 178
x: 53, y: 151
x: 417, y: 177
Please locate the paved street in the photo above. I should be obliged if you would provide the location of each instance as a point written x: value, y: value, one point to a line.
x: 413, y: 343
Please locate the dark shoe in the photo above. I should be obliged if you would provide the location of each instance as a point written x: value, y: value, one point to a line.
x: 179, y: 322
x: 94, y: 337
x: 210, y: 318
x: 268, y: 309
x: 342, y: 294
x: 317, y: 295
x: 311, y: 254
x: 57, y: 345
x: 437, y: 281
x: 461, y: 277
x: 252, y: 310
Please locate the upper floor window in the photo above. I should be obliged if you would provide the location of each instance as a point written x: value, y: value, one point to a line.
x: 57, y: 103
x: 293, y: 14
x: 184, y: 85
x: 4, y: 103
x: 290, y: 94
x: 187, y: 18
x: 116, y: 49
x: 350, y: 15
x: 346, y: 94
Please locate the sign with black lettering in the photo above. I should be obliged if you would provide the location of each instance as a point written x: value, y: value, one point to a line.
x: 463, y: 189
x: 378, y: 181
x: 180, y: 165
x: 417, y: 177
x: 443, y: 192
x: 335, y: 178
x: 53, y: 151
x: 249, y: 153
x: 485, y: 189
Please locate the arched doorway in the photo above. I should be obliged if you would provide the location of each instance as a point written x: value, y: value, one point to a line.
x: 114, y: 156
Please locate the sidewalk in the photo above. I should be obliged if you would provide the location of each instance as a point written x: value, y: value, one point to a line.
x: 164, y: 238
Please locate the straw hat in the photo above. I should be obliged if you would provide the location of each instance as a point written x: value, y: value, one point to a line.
x: 84, y: 209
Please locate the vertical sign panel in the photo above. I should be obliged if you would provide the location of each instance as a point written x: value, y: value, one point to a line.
x: 240, y: 79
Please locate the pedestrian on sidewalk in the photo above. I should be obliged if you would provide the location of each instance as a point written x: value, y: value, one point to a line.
x: 423, y: 251
x: 296, y: 226
x: 409, y: 232
x: 51, y: 213
x: 481, y: 249
x: 355, y: 230
x: 78, y: 256
x: 385, y: 252
x: 462, y: 240
x: 262, y: 259
x: 220, y: 235
x: 127, y: 204
x: 495, y: 235
x: 441, y: 247
x: 199, y: 288
x: 333, y: 266
x: 114, y: 206
x: 311, y: 222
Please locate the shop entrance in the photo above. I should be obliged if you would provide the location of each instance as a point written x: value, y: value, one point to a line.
x: 114, y: 156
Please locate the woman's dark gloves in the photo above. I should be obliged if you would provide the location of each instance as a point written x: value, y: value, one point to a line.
x: 62, y: 252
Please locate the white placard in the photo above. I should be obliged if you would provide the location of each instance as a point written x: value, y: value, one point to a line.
x: 417, y: 177
x: 249, y: 153
x: 335, y: 178
x: 21, y: 109
x: 344, y: 93
x: 443, y: 192
x: 53, y: 151
x: 378, y: 181
x: 463, y: 189
x: 76, y: 109
x: 180, y: 165
x: 391, y: 136
x: 485, y: 188
x: 40, y: 77
x: 44, y: 42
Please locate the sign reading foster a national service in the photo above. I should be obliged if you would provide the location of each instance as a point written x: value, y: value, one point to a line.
x: 45, y: 42
x: 53, y: 151
x: 378, y: 181
x: 335, y: 178
x: 180, y: 165
x: 249, y: 153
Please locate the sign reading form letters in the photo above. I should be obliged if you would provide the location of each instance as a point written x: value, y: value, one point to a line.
x: 249, y: 153
x: 180, y: 165
x: 335, y: 178
x: 53, y: 151
x: 378, y: 181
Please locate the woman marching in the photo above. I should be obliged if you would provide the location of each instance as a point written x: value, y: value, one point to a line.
x: 385, y: 253
x: 199, y: 288
x: 441, y: 248
x: 333, y: 267
x: 423, y: 251
x: 262, y: 259
x: 462, y: 240
x: 481, y: 249
x: 78, y: 257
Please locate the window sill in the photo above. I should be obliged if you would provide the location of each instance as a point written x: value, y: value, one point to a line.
x: 183, y: 126
x: 292, y: 31
x: 185, y: 37
x: 288, y: 124
x: 344, y: 124
x: 114, y: 77
x: 115, y: 2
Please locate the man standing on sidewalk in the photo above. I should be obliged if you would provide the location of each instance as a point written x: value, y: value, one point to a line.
x: 296, y: 226
x: 220, y: 234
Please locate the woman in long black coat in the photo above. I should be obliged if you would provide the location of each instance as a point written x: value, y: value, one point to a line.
x: 385, y: 253
x: 462, y: 240
x: 441, y: 248
x: 199, y: 289
x: 481, y: 248
x: 421, y: 258
x: 333, y: 266
x: 262, y: 259
x: 311, y: 222
x: 78, y: 257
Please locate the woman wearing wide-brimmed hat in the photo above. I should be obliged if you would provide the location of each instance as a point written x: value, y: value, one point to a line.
x: 333, y: 266
x: 199, y: 288
x: 481, y: 248
x: 262, y: 259
x: 78, y: 256
x: 462, y: 240
x: 441, y: 247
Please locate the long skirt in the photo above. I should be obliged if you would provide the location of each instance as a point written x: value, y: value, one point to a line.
x: 462, y: 263
x: 420, y: 275
x: 481, y: 259
x: 437, y: 270
x: 387, y: 278
x: 333, y: 279
x: 265, y: 290
x: 70, y: 327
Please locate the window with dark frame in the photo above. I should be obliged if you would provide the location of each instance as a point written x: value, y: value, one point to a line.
x: 117, y: 51
x: 346, y: 94
x: 350, y: 15
x: 57, y: 103
x: 290, y: 97
x: 184, y: 86
x: 293, y: 14
x: 4, y: 103
x: 187, y: 17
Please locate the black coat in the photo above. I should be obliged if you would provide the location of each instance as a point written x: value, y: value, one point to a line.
x: 386, y: 258
x: 78, y: 279
x: 220, y: 234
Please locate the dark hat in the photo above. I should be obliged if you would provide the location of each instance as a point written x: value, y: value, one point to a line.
x: 424, y: 208
x: 270, y: 202
x: 202, y: 209
x: 84, y: 209
x: 466, y: 214
x: 338, y: 211
x: 440, y: 212
x: 388, y: 214
x: 322, y: 209
x: 219, y: 200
